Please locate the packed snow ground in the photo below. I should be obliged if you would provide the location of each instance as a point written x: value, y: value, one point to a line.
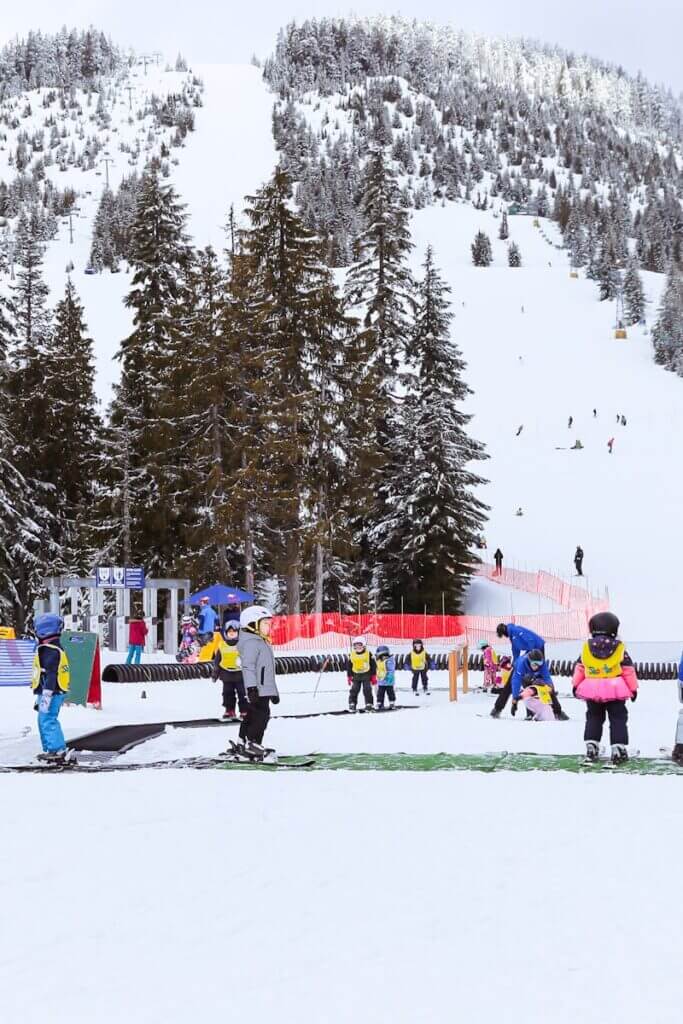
x: 340, y: 896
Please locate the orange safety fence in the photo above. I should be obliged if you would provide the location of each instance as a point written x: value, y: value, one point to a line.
x: 333, y: 631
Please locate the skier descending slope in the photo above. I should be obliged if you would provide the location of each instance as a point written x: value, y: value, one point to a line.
x: 605, y: 678
x: 258, y: 672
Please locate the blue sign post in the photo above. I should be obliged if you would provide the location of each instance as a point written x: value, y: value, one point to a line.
x: 120, y: 577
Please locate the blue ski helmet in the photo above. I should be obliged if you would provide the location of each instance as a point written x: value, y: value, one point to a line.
x: 382, y: 651
x: 231, y: 624
x: 48, y: 625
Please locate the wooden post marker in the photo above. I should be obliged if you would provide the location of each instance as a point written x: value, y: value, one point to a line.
x: 453, y: 675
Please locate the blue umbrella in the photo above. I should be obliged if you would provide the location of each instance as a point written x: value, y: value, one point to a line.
x: 220, y: 594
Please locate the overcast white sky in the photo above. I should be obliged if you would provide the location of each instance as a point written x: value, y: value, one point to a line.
x: 642, y: 35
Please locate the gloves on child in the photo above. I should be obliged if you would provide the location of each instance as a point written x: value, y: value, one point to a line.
x: 252, y: 694
x: 274, y: 700
x: 44, y: 702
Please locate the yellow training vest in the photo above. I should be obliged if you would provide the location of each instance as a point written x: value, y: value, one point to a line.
x: 230, y: 657
x: 543, y: 691
x: 602, y: 668
x: 63, y: 672
x: 360, y: 662
x: 418, y: 660
x: 381, y: 669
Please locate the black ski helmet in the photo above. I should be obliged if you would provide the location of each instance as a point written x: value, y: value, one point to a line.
x: 501, y: 629
x: 417, y: 643
x: 604, y: 624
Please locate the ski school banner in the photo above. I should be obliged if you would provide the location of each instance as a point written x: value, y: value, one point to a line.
x: 16, y: 662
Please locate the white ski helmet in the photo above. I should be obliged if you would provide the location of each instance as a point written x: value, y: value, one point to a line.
x: 253, y: 615
x: 358, y: 640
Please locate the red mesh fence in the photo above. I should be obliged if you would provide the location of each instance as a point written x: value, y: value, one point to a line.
x: 332, y: 630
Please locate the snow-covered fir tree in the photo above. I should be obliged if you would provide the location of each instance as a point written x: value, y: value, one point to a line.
x: 145, y: 523
x: 667, y: 334
x: 482, y: 253
x: 74, y: 442
x: 425, y: 540
x: 514, y: 255
x: 634, y: 294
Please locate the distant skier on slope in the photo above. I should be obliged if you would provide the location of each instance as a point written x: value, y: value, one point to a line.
x: 578, y: 560
x: 605, y: 678
x: 610, y: 445
x: 520, y: 428
x: 570, y: 421
x: 498, y: 559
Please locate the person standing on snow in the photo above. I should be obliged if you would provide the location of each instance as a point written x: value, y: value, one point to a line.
x: 50, y: 685
x: 610, y: 444
x: 578, y: 560
x: 570, y: 421
x: 208, y: 617
x: 386, y: 676
x: 418, y: 662
x: 605, y: 678
x: 137, y: 634
x: 227, y: 666
x: 490, y: 664
x: 258, y: 672
x: 361, y: 671
x: 498, y: 559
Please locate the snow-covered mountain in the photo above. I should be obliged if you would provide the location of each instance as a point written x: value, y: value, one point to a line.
x: 539, y: 345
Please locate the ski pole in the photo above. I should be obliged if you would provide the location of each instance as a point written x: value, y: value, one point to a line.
x: 322, y: 669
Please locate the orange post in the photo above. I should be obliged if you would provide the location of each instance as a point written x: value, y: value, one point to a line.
x: 453, y: 675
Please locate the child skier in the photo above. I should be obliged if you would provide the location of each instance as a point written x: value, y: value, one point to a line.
x: 50, y: 685
x: 361, y: 670
x: 490, y: 664
x: 189, y: 649
x: 503, y: 674
x: 605, y: 678
x: 386, y: 669
x: 258, y: 671
x: 537, y: 699
x: 418, y: 662
x: 228, y: 668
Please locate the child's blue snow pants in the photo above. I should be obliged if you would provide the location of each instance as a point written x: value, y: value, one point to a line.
x: 51, y: 735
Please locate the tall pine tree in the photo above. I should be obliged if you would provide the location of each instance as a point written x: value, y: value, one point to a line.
x: 426, y: 540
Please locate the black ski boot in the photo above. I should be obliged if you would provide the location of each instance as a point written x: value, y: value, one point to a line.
x: 619, y: 753
x: 561, y: 716
x: 495, y: 714
x: 592, y: 752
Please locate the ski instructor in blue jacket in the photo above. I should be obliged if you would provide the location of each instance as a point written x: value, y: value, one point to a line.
x: 523, y: 642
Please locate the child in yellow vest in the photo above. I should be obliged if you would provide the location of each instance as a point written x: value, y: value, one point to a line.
x: 227, y: 667
x: 50, y: 686
x: 361, y: 671
x: 418, y: 663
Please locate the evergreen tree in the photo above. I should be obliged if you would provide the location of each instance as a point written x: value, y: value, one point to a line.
x: 145, y: 519
x: 634, y: 295
x: 514, y: 255
x: 425, y: 540
x: 667, y: 334
x: 380, y: 289
x: 289, y: 281
x: 32, y: 385
x: 504, y: 231
x: 482, y: 253
x: 74, y: 434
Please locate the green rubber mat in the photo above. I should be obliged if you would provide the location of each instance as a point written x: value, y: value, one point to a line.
x: 509, y: 762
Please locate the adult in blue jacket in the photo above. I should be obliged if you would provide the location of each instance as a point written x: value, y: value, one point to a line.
x: 528, y: 668
x: 208, y: 617
x: 521, y: 639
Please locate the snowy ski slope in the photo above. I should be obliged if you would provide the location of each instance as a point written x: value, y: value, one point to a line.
x: 533, y: 368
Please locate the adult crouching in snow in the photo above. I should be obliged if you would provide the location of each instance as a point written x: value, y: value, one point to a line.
x: 605, y: 678
x: 258, y: 672
x: 521, y: 640
x: 531, y: 673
